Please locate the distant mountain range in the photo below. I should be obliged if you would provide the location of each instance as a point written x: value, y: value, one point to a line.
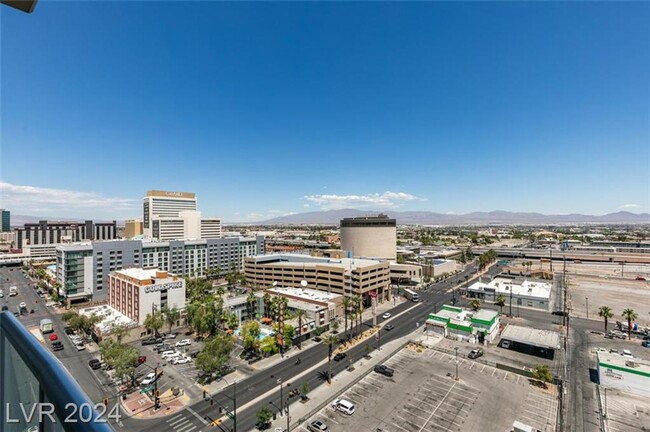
x: 333, y: 217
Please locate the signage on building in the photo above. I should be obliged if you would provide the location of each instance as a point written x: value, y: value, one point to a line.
x: 611, y: 374
x: 163, y: 287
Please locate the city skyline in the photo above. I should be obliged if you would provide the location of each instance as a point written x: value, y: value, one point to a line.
x: 264, y: 110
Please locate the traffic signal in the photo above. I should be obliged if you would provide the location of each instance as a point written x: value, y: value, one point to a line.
x: 211, y: 401
x: 220, y: 410
x: 105, y: 401
x: 157, y: 393
x: 205, y: 394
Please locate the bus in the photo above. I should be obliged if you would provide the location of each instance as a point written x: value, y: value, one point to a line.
x: 46, y: 326
x: 411, y: 295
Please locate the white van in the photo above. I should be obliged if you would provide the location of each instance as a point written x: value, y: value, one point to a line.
x: 166, y: 354
x: 345, y: 406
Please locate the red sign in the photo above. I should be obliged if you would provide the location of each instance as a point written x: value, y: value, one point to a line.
x: 372, y: 294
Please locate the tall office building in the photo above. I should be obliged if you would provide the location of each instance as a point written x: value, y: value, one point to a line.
x: 165, y: 204
x: 6, y: 220
x: 370, y: 237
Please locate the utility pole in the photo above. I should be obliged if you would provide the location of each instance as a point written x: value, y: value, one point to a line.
x: 564, y: 316
x: 510, y: 302
x: 587, y: 301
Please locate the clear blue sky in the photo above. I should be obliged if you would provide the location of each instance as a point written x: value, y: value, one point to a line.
x: 264, y: 109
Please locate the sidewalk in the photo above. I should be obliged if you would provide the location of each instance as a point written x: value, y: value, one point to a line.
x: 325, y: 393
x: 140, y: 406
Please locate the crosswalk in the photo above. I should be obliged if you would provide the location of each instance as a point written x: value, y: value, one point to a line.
x: 182, y: 423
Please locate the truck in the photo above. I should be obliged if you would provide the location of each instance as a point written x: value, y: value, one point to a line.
x: 46, y: 326
x: 411, y: 295
x: 13, y: 291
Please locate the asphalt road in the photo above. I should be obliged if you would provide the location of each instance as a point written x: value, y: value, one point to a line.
x: 264, y: 381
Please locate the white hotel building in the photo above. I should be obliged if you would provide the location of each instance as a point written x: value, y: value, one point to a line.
x: 137, y: 292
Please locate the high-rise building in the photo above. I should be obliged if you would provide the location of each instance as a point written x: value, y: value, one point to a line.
x: 132, y: 228
x: 211, y: 228
x: 370, y: 237
x: 5, y: 226
x: 165, y: 204
x: 54, y: 233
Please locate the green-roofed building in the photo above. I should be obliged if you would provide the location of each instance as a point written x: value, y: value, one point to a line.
x: 462, y: 324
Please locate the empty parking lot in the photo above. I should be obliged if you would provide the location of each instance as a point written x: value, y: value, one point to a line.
x: 424, y: 396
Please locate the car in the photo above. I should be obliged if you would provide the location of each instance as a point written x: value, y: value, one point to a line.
x: 645, y: 344
x: 475, y: 353
x: 142, y: 359
x: 23, y: 305
x: 389, y: 327
x: 627, y: 354
x: 161, y: 347
x: 4, y: 308
x: 639, y: 278
x: 169, y: 353
x: 613, y: 351
x: 345, y: 406
x: 170, y: 336
x: 317, y: 339
x: 57, y: 346
x: 95, y: 364
x: 505, y: 344
x: 603, y: 350
x: 181, y: 360
x: 184, y: 342
x: 68, y: 330
x: 149, y: 379
x: 151, y: 341
x: 560, y: 313
x: 386, y: 315
x: 80, y: 347
x: 384, y: 370
x: 317, y: 426
x: 53, y: 337
x: 2, y: 294
x: 340, y: 356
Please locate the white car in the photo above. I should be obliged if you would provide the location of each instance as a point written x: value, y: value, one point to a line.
x: 181, y: 360
x: 80, y: 347
x: 2, y: 294
x: 170, y: 336
x: 23, y: 305
x: 386, y: 315
x: 148, y: 379
x: 345, y: 406
x: 184, y: 342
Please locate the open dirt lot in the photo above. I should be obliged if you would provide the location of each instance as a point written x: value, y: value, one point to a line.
x: 625, y: 411
x: 615, y: 293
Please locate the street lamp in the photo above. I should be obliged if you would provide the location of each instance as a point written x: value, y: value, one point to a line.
x: 587, y: 306
x: 279, y: 381
x: 456, y: 349
x: 288, y: 417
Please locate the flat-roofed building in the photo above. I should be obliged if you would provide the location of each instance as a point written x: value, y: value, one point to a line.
x: 136, y: 292
x: 518, y: 292
x: 210, y: 228
x: 54, y: 233
x: 453, y: 322
x: 349, y: 277
x: 370, y: 237
x: 629, y: 375
x: 132, y: 228
x: 165, y: 204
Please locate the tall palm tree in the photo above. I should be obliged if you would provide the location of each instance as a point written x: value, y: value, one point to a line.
x: 300, y: 314
x: 501, y: 301
x: 347, y: 304
x: 329, y: 340
x: 250, y: 301
x: 630, y: 316
x: 267, y: 304
x: 359, y: 310
x: 475, y: 304
x: 606, y: 313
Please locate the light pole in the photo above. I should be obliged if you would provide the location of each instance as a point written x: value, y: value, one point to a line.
x: 587, y: 306
x: 456, y: 349
x: 156, y: 399
x: 279, y: 381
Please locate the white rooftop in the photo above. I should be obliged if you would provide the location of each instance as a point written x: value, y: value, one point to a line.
x: 615, y: 359
x: 141, y: 274
x: 305, y: 293
x: 110, y: 317
x: 504, y: 286
x: 310, y: 261
x: 539, y: 338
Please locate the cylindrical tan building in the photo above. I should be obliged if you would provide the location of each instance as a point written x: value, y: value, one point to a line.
x: 370, y: 237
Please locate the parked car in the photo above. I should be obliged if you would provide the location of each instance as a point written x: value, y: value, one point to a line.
x: 57, y: 346
x: 151, y: 341
x: 645, y: 344
x: 317, y: 339
x: 53, y: 337
x: 389, y: 327
x: 317, y: 426
x: 627, y: 354
x: 181, y: 360
x: 386, y: 315
x: 384, y: 370
x: 80, y: 347
x: 170, y: 336
x: 148, y: 379
x: 340, y: 356
x: 68, y: 330
x: 142, y: 359
x: 4, y: 308
x: 184, y: 342
x: 475, y: 353
x: 640, y: 278
x: 95, y: 364
x: 560, y: 313
x: 345, y: 406
x: 505, y: 344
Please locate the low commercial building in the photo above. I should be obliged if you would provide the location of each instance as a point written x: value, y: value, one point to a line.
x: 346, y: 276
x: 110, y: 317
x: 481, y: 326
x: 518, y: 292
x: 136, y: 292
x: 320, y: 307
x: 404, y: 273
x: 541, y: 343
x: 630, y: 375
x: 54, y: 233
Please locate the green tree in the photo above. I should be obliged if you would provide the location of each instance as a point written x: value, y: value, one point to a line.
x: 267, y: 304
x: 118, y: 332
x: 171, y: 316
x: 630, y: 316
x: 542, y: 374
x: 475, y: 304
x: 334, y: 325
x: 251, y: 301
x: 501, y: 302
x: 154, y: 322
x: 215, y: 354
x: 300, y: 315
x: 606, y: 313
x: 250, y: 332
x: 269, y: 345
x: 123, y: 358
x: 263, y: 416
x: 330, y: 340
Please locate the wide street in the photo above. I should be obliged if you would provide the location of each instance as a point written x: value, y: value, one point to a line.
x: 286, y: 371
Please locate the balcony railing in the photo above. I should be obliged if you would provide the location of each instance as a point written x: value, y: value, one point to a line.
x: 37, y: 393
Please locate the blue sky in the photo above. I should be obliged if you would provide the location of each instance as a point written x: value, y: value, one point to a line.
x: 265, y: 109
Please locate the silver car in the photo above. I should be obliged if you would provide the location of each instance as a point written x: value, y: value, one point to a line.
x: 317, y: 426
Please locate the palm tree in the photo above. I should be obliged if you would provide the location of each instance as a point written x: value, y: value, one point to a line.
x: 329, y: 340
x: 267, y: 304
x: 300, y: 314
x: 501, y: 301
x: 606, y: 313
x: 359, y: 311
x: 630, y: 316
x: 347, y: 304
x: 250, y: 301
x: 475, y: 304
